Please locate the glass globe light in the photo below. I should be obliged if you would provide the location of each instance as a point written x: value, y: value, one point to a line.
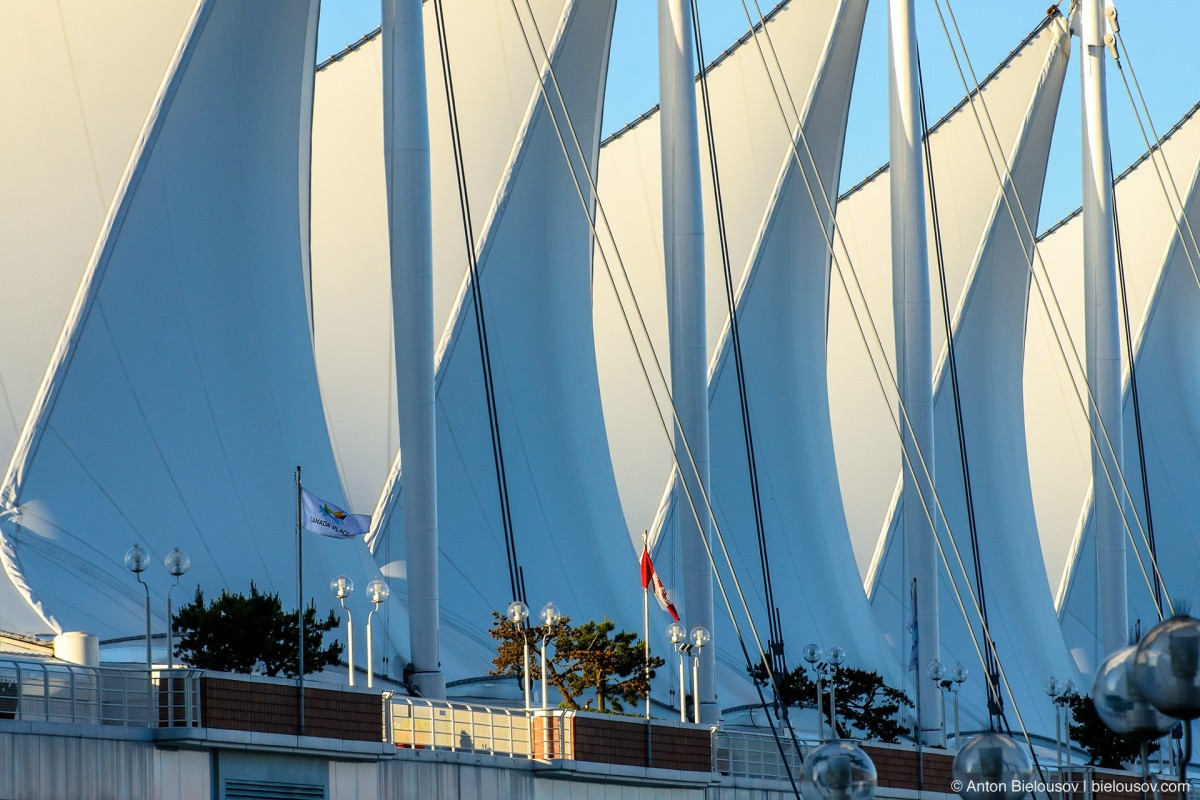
x: 836, y: 656
x: 936, y: 671
x: 518, y: 612
x: 959, y: 674
x: 700, y: 636
x: 550, y: 615
x: 341, y: 587
x: 1120, y: 704
x: 1166, y: 669
x: 811, y: 653
x: 176, y: 562
x: 991, y: 766
x: 1068, y: 689
x: 838, y: 771
x: 1052, y: 687
x: 137, y: 559
x: 378, y: 591
x: 676, y: 633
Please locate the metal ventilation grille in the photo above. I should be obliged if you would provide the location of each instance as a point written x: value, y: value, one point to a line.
x: 271, y: 790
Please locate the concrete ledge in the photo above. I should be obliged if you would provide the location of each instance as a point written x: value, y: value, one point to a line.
x: 221, y: 739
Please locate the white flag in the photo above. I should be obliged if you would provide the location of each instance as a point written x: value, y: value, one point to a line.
x: 329, y: 520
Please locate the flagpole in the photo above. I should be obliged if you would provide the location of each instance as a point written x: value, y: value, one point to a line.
x: 646, y: 627
x: 300, y: 607
x: 916, y: 649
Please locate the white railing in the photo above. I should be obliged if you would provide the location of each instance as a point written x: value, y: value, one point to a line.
x: 754, y: 755
x: 45, y: 691
x: 460, y: 727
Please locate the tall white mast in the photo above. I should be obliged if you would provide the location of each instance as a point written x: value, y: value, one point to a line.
x: 1103, y: 335
x: 406, y: 152
x: 683, y: 246
x: 910, y: 298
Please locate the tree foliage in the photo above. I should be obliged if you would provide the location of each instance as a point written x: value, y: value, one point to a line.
x: 240, y: 633
x: 581, y: 659
x: 866, y: 706
x: 1104, y: 747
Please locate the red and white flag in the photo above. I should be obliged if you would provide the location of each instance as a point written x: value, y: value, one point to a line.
x: 650, y: 579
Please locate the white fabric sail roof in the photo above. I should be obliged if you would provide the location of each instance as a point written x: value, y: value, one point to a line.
x: 88, y: 77
x: 752, y: 143
x: 183, y: 392
x: 349, y: 228
x: 989, y: 310
x: 1164, y: 303
x: 536, y: 287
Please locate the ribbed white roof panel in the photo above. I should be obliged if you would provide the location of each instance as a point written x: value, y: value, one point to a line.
x: 1166, y: 331
x: 989, y: 349
x: 865, y: 438
x: 751, y: 140
x: 191, y: 335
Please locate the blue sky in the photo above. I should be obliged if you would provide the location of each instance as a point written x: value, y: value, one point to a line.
x: 1160, y: 38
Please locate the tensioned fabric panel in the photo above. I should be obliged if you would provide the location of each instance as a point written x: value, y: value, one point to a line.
x: 494, y: 83
x: 751, y: 139
x: 187, y: 394
x: 536, y: 287
x: 989, y: 348
x: 88, y: 75
x: 865, y: 438
x: 1167, y: 386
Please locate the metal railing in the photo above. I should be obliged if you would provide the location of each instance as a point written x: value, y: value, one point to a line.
x: 44, y: 691
x: 754, y: 755
x: 459, y: 727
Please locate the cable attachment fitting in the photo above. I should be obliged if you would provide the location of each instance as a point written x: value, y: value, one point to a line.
x: 1111, y: 13
x: 1110, y: 42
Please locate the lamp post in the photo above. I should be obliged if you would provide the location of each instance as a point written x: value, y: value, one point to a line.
x: 1068, y: 692
x: 812, y: 654
x: 700, y: 637
x: 937, y: 673
x: 958, y: 676
x: 342, y: 587
x: 836, y: 656
x: 550, y: 617
x: 377, y: 593
x: 679, y: 638
x: 518, y: 612
x: 176, y: 563
x: 136, y: 561
x: 1052, y: 690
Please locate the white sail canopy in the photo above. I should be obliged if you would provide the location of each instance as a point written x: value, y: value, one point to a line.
x: 183, y: 393
x: 1160, y: 262
x: 990, y: 290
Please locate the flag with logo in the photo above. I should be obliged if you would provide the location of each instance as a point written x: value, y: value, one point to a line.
x: 913, y: 657
x: 650, y: 579
x: 327, y: 519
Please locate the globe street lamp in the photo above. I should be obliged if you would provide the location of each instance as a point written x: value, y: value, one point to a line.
x: 678, y: 636
x: 136, y: 561
x: 812, y: 654
x: 550, y: 617
x: 342, y: 587
x: 377, y: 593
x: 518, y: 612
x: 176, y: 563
x: 700, y: 637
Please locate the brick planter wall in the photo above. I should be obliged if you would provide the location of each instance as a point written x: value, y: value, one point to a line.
x: 621, y: 740
x: 897, y: 768
x: 244, y: 705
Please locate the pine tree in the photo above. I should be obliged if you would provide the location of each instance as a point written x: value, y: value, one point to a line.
x: 586, y: 658
x: 1104, y: 747
x: 239, y: 633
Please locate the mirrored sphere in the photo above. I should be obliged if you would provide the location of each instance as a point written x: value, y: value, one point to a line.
x: 1119, y: 703
x: 991, y: 766
x: 838, y: 771
x: 1166, y: 669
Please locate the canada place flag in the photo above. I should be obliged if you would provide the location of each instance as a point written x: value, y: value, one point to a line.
x: 329, y: 520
